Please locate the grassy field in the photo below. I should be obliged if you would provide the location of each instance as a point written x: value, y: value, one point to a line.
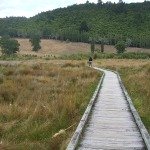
x: 136, y: 78
x: 39, y: 98
x: 57, y: 48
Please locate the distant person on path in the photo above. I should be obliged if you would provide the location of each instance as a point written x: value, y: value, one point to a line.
x: 90, y: 62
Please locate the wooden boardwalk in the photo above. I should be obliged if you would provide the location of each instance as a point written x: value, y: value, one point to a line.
x: 110, y: 124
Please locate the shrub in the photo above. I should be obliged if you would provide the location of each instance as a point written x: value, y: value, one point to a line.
x: 120, y: 47
x: 9, y: 46
x: 95, y: 56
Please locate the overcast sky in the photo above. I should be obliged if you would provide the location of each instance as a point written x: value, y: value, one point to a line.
x: 29, y: 8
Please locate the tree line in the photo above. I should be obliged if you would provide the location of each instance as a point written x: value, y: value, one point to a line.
x: 10, y: 46
x: 79, y: 23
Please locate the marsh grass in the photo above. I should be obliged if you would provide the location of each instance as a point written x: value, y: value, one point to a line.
x: 37, y: 100
x: 96, y: 55
x: 136, y: 78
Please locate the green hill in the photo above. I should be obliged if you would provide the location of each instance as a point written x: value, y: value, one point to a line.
x: 80, y: 22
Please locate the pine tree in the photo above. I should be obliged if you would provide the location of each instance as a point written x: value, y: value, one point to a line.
x: 99, y: 2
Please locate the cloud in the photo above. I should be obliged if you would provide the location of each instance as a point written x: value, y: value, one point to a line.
x: 84, y: 1
x: 20, y: 8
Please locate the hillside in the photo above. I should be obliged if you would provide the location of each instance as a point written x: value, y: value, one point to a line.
x: 58, y: 48
x: 79, y: 22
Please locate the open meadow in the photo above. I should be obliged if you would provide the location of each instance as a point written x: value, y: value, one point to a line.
x: 42, y: 100
x: 57, y: 48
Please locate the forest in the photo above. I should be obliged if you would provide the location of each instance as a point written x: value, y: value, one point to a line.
x: 101, y: 22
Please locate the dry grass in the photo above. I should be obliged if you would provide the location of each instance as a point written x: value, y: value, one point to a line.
x: 53, y: 47
x: 120, y: 63
x: 57, y: 48
x: 38, y: 99
x: 136, y: 77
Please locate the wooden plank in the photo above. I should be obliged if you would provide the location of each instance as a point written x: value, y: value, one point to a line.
x: 111, y: 123
x: 110, y: 147
x: 74, y: 140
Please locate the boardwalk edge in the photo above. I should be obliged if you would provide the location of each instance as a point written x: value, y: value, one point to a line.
x: 74, y: 140
x: 143, y: 130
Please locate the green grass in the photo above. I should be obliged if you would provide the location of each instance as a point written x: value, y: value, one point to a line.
x: 129, y: 55
x: 79, y: 56
x: 18, y: 57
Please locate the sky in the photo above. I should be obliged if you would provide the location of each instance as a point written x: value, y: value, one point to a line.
x: 29, y: 8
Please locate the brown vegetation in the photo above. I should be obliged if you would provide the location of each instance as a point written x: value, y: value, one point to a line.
x: 57, y: 48
x: 39, y: 99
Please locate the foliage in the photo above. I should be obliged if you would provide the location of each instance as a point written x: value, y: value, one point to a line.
x: 9, y: 46
x: 83, y: 27
x: 79, y: 22
x: 35, y: 41
x: 120, y: 47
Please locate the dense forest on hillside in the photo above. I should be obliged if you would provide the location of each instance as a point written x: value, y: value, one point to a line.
x: 107, y: 22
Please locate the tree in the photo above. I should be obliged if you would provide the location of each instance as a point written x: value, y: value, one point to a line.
x: 9, y: 46
x: 102, y: 47
x: 120, y: 47
x: 83, y: 27
x: 92, y: 41
x: 87, y: 2
x: 128, y: 42
x: 35, y: 42
x: 102, y: 41
x: 99, y: 2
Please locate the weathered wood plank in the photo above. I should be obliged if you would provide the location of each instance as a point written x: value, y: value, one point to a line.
x: 110, y: 147
x: 111, y: 123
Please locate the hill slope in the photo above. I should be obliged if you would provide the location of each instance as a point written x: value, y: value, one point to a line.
x: 79, y: 22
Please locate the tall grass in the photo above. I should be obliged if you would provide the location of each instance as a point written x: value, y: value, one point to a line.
x: 137, y: 81
x: 37, y: 100
x: 136, y: 78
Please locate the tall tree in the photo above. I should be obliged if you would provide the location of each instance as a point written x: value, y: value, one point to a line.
x: 99, y: 2
x: 35, y: 42
x: 83, y: 27
x: 92, y: 41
